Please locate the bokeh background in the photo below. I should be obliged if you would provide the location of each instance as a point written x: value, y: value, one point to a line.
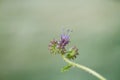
x: 27, y: 26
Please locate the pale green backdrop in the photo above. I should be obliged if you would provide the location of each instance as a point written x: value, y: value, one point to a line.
x: 27, y: 26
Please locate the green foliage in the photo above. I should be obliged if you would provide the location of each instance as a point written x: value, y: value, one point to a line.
x: 66, y: 68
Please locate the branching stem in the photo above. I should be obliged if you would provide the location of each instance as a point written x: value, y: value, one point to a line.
x: 84, y: 68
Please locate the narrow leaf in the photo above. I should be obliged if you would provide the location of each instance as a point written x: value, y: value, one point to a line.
x: 66, y: 68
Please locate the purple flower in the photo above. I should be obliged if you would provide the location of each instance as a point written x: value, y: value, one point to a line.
x: 65, y: 39
x: 59, y: 46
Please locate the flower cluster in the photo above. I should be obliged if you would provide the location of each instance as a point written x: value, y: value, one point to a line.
x: 59, y: 46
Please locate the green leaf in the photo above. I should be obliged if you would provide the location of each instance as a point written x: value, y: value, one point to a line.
x: 66, y: 68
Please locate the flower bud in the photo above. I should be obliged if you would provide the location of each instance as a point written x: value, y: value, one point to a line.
x: 72, y: 53
x: 53, y: 46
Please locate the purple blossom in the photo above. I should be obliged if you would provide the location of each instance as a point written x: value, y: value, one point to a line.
x: 59, y: 46
x: 65, y: 39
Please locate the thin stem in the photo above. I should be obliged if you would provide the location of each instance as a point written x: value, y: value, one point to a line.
x: 84, y: 68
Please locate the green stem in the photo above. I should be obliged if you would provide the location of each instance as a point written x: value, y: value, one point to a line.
x: 84, y: 68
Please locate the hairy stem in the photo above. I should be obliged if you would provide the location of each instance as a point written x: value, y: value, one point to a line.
x: 84, y: 68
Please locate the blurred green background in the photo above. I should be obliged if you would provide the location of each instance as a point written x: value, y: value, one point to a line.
x: 27, y: 26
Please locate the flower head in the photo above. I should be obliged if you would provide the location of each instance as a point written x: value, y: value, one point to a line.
x: 65, y: 39
x: 53, y: 46
x: 59, y: 46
